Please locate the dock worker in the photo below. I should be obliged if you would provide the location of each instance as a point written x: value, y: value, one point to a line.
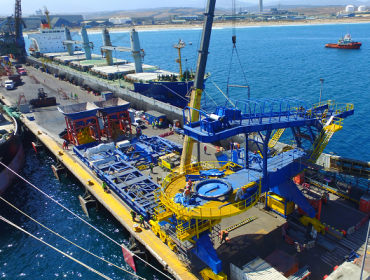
x: 186, y: 194
x: 148, y: 216
x: 156, y: 124
x: 205, y: 149
x: 133, y: 215
x: 138, y: 130
x: 65, y: 145
x: 151, y: 166
x: 153, y: 124
x: 224, y: 235
x: 189, y: 184
x: 104, y: 186
x: 170, y: 127
x: 141, y: 218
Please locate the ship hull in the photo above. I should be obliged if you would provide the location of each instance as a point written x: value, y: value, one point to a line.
x: 12, y: 157
x: 173, y: 93
x: 353, y: 46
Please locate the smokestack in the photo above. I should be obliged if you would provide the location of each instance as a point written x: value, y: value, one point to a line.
x: 261, y: 6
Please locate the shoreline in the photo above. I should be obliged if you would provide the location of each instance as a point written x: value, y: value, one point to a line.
x: 220, y: 25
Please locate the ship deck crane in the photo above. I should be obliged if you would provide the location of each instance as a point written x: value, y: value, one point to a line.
x: 137, y: 52
x: 46, y: 12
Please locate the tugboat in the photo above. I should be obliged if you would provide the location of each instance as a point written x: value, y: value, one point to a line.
x: 345, y: 42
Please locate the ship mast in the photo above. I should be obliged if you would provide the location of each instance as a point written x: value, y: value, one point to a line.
x: 47, y: 15
x: 179, y: 46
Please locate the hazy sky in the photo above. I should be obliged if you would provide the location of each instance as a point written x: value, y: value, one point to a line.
x: 77, y: 6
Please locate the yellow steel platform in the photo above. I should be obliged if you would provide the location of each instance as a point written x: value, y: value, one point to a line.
x: 175, y: 183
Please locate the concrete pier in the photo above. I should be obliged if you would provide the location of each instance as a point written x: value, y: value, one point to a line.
x: 46, y: 117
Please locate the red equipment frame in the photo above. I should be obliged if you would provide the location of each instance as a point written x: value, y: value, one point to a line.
x: 122, y: 119
x: 75, y: 126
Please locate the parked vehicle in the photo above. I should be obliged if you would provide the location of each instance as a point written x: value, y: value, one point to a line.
x: 9, y: 84
x: 138, y: 122
x: 16, y: 78
x: 22, y: 71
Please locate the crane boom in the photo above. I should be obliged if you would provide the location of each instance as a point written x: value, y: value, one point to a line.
x: 197, y: 91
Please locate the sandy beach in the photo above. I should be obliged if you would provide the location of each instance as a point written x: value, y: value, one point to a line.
x: 239, y: 24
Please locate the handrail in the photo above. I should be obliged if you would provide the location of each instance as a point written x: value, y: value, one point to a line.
x: 186, y: 213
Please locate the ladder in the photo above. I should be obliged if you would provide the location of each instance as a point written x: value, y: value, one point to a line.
x: 323, y: 140
x: 242, y: 223
x: 275, y: 138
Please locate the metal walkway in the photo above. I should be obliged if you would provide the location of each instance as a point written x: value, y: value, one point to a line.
x: 260, y: 115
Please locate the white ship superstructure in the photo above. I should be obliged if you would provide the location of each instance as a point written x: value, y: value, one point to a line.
x: 48, y: 40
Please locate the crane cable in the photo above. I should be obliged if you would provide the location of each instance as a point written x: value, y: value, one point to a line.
x: 102, y: 233
x: 223, y: 93
x: 68, y: 240
x: 236, y: 51
x: 65, y: 254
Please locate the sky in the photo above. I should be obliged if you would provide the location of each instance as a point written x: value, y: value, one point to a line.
x: 79, y: 6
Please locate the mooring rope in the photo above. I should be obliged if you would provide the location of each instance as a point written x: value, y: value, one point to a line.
x: 65, y: 254
x: 68, y: 240
x: 102, y: 233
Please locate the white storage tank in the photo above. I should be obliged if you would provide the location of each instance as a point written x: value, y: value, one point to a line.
x: 362, y: 8
x: 350, y: 8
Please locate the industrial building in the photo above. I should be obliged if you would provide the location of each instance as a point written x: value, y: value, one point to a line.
x: 33, y: 22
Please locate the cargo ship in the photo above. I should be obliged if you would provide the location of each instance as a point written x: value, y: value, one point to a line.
x: 345, y: 42
x: 47, y: 40
x: 11, y: 150
x: 148, y: 80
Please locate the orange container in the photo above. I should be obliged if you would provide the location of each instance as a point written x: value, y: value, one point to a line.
x: 299, y: 179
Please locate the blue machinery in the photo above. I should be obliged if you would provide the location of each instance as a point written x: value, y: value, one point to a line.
x: 117, y: 168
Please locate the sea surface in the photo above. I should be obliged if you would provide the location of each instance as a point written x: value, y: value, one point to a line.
x: 277, y: 61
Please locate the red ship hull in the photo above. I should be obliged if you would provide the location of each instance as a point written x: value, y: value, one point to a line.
x: 350, y: 46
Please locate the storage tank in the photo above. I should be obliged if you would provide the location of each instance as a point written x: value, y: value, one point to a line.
x: 362, y: 8
x: 350, y: 8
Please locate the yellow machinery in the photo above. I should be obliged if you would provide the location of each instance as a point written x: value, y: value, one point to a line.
x: 279, y: 204
x: 320, y: 228
x: 169, y: 161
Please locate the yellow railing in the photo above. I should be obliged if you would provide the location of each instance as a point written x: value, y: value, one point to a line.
x: 186, y: 213
x: 338, y: 107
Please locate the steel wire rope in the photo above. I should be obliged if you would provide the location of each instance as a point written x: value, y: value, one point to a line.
x: 102, y: 233
x: 210, y: 97
x: 68, y: 240
x: 222, y: 92
x: 56, y: 249
x: 175, y: 92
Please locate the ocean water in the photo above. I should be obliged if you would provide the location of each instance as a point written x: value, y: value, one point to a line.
x: 277, y: 62
x: 281, y: 61
x: 23, y: 257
